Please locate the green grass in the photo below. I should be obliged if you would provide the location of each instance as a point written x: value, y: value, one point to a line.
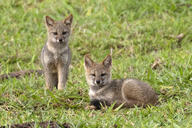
x: 139, y: 31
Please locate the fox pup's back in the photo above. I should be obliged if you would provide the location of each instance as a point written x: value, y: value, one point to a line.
x: 138, y: 93
x: 129, y: 92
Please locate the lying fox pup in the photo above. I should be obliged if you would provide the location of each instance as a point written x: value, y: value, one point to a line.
x: 104, y: 91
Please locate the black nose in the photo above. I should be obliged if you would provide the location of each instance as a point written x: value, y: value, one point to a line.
x: 98, y: 81
x: 60, y: 40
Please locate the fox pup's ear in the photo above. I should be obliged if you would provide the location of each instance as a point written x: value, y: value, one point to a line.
x: 68, y: 20
x: 88, y: 61
x: 107, y: 62
x: 49, y: 21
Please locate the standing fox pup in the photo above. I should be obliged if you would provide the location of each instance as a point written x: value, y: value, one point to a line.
x: 56, y: 54
x: 103, y: 90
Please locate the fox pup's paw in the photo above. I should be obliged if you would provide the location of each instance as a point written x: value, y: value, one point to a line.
x: 48, y: 88
x: 90, y: 107
x: 61, y: 87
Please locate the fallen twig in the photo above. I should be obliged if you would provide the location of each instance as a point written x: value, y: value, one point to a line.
x: 156, y: 63
x: 45, y: 124
x: 20, y: 74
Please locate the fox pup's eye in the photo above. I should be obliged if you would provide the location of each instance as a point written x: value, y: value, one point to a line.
x: 103, y: 74
x: 54, y: 33
x: 64, y: 33
x: 93, y: 75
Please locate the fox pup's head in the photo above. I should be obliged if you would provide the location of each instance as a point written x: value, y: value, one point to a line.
x: 58, y: 31
x: 98, y: 74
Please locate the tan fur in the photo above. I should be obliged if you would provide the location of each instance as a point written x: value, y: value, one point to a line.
x: 56, y: 54
x: 130, y: 92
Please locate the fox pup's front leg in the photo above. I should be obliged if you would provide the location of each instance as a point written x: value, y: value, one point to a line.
x: 50, y: 80
x: 62, y: 75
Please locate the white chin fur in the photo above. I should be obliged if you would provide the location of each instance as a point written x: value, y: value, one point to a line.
x: 91, y: 93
